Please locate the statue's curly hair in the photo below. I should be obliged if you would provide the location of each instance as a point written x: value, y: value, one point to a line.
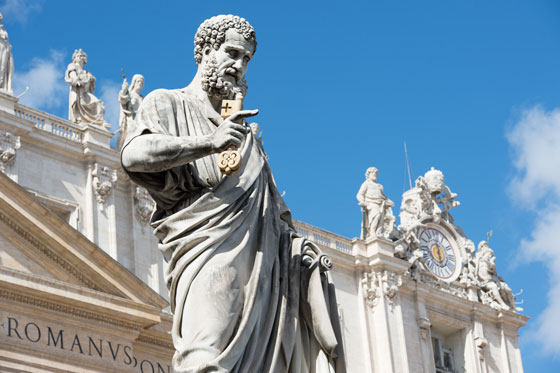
x: 212, y: 32
x: 78, y: 52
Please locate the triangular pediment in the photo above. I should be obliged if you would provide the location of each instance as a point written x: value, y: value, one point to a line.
x: 39, y: 250
x: 17, y: 256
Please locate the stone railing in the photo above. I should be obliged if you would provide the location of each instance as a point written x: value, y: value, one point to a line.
x: 323, y: 237
x: 50, y: 123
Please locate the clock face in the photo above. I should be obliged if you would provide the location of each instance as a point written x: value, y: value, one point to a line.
x: 439, y: 255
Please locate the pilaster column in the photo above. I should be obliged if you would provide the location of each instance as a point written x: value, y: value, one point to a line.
x: 424, y: 326
x: 103, y: 181
x: 475, y: 347
x: 506, y: 366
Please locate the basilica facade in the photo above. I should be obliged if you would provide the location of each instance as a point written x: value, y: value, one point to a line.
x: 82, y: 281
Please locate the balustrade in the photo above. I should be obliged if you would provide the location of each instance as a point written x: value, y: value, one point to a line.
x: 51, y: 124
x: 324, y: 238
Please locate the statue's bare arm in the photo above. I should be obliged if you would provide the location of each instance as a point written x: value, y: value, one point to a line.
x: 71, y: 76
x: 361, y: 196
x: 388, y: 201
x: 157, y: 152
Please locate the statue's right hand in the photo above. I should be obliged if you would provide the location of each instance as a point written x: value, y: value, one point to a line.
x: 230, y: 133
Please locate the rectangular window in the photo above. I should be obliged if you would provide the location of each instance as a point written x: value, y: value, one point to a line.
x: 443, y: 357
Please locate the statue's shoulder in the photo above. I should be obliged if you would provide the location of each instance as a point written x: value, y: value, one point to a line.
x: 165, y: 97
x: 160, y: 96
x: 72, y: 66
x: 165, y: 94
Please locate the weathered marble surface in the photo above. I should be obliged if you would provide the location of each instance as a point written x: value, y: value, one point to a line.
x: 6, y: 61
x: 83, y: 106
x: 247, y: 293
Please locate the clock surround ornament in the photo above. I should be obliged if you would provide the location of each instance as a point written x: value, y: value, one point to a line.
x: 440, y: 253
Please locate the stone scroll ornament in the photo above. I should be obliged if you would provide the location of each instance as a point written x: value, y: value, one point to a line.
x: 229, y: 161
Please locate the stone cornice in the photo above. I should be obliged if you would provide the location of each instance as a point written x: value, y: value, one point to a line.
x: 462, y: 307
x: 49, y: 254
x: 66, y: 139
x: 77, y: 296
x: 41, y: 302
x: 64, y: 241
x: 166, y: 343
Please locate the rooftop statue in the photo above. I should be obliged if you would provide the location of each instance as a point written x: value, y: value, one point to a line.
x: 6, y: 61
x: 494, y: 290
x: 130, y: 100
x: 429, y: 199
x: 83, y: 106
x: 377, y: 214
x: 247, y: 293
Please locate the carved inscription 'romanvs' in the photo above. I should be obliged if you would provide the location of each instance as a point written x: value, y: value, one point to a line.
x: 60, y: 340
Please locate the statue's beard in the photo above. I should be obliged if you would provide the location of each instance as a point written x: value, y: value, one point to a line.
x: 215, y: 85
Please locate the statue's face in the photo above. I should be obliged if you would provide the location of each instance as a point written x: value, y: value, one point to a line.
x: 223, y: 70
x: 139, y: 85
x: 81, y: 59
x: 233, y: 56
x: 372, y: 175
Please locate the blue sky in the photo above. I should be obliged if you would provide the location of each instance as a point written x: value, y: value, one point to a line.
x: 472, y: 87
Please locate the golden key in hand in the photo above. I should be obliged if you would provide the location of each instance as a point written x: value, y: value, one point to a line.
x: 229, y: 161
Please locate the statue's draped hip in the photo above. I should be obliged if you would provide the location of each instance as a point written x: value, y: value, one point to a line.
x: 243, y: 300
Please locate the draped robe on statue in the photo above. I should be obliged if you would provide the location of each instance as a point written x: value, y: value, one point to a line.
x: 242, y: 298
x: 83, y: 106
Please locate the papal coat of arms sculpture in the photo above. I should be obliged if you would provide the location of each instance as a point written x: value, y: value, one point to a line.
x: 248, y: 294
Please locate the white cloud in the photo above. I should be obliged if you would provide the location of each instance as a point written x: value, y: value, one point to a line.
x: 109, y: 94
x: 535, y: 140
x: 45, y: 79
x: 19, y: 10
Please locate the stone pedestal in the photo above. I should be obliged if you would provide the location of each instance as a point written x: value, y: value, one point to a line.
x: 97, y: 135
x: 7, y: 102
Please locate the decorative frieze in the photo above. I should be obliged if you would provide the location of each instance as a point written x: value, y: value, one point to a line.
x: 58, y: 307
x: 9, y: 143
x: 371, y: 288
x: 390, y: 282
x: 104, y: 180
x: 377, y: 283
x: 453, y: 288
x: 154, y: 341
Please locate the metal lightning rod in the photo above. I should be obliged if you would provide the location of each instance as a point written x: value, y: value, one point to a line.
x: 407, y: 166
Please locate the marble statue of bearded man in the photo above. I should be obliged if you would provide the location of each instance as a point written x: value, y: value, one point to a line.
x: 247, y: 293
